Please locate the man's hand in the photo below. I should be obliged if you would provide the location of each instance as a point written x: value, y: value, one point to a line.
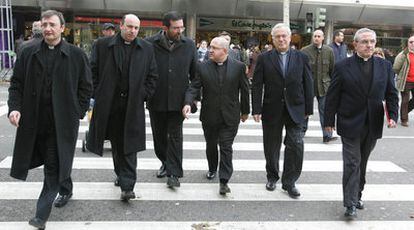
x: 257, y: 117
x: 186, y: 111
x: 14, y: 118
x: 329, y: 129
x: 244, y: 117
x: 392, y: 124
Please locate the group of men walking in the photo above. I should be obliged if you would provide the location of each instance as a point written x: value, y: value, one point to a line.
x: 53, y: 82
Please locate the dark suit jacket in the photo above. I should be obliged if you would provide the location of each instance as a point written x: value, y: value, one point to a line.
x: 176, y: 68
x: 296, y: 90
x: 347, y: 99
x: 229, y: 100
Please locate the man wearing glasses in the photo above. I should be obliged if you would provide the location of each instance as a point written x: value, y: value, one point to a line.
x: 176, y: 58
x: 359, y: 86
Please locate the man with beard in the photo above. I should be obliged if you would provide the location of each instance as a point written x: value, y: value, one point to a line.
x: 176, y: 61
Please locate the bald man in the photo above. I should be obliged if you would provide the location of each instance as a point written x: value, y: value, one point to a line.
x: 124, y: 73
x: 225, y: 101
x: 321, y: 58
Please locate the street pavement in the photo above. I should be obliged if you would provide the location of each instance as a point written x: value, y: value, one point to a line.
x: 388, y: 196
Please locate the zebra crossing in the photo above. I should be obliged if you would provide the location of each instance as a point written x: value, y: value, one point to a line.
x: 197, y: 204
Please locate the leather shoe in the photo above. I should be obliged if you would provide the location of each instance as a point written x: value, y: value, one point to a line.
x: 350, y: 212
x: 271, y: 185
x: 329, y: 139
x: 211, y: 175
x: 37, y: 223
x: 224, y: 188
x: 404, y: 123
x: 62, y: 200
x: 292, y: 191
x: 173, y: 182
x: 116, y: 182
x: 162, y: 172
x: 127, y: 195
x: 360, y: 205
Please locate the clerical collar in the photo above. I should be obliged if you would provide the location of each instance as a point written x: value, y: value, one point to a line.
x: 52, y: 47
x: 282, y: 53
x: 127, y: 43
x: 362, y: 59
x: 221, y: 63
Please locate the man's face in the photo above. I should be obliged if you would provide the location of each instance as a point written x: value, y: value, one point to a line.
x: 176, y: 29
x: 318, y: 38
x: 203, y: 44
x: 281, y: 40
x: 365, y: 45
x: 410, y: 43
x: 109, y: 32
x: 216, y: 52
x: 339, y: 38
x: 130, y: 28
x: 52, y: 29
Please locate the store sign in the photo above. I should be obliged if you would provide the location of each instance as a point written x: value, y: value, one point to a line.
x: 98, y: 20
x: 235, y: 24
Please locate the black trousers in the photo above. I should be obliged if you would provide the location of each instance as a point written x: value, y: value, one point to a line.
x: 167, y: 132
x: 355, y: 154
x: 66, y: 187
x: 47, y: 146
x: 125, y: 164
x: 293, y: 159
x: 223, y: 135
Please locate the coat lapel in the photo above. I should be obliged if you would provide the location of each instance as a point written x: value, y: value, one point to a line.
x: 376, y: 73
x: 213, y: 72
x: 275, y: 61
x: 117, y: 49
x: 292, y: 57
x: 356, y: 73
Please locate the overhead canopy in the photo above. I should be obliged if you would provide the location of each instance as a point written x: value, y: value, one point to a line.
x: 376, y: 12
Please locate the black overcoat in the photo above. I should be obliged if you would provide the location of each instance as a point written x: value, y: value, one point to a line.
x: 71, y: 91
x: 176, y: 68
x: 106, y: 71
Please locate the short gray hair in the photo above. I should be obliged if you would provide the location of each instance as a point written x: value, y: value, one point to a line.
x: 281, y: 26
x: 357, y: 35
x: 224, y: 43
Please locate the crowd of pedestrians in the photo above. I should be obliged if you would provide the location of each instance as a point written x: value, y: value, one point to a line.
x: 53, y: 82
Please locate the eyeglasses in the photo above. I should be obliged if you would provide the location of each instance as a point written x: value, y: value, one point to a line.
x: 366, y: 42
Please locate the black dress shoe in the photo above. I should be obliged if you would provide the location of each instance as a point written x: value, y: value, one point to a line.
x: 116, y: 182
x: 224, y: 188
x: 173, y: 182
x: 127, y: 195
x: 37, y: 223
x: 162, y: 172
x: 211, y: 175
x: 62, y: 200
x: 350, y: 212
x: 292, y: 191
x: 329, y: 139
x: 271, y: 185
x: 360, y: 205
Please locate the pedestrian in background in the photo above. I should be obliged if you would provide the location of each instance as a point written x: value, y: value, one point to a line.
x: 225, y: 101
x: 322, y: 63
x: 404, y: 67
x: 355, y: 97
x: 49, y: 92
x: 338, y: 46
x: 176, y: 59
x: 286, y: 102
x: 124, y: 74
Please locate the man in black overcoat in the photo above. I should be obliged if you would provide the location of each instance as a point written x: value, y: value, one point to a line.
x: 176, y: 61
x: 287, y: 100
x: 124, y: 74
x: 225, y: 101
x: 49, y: 92
x: 359, y: 86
